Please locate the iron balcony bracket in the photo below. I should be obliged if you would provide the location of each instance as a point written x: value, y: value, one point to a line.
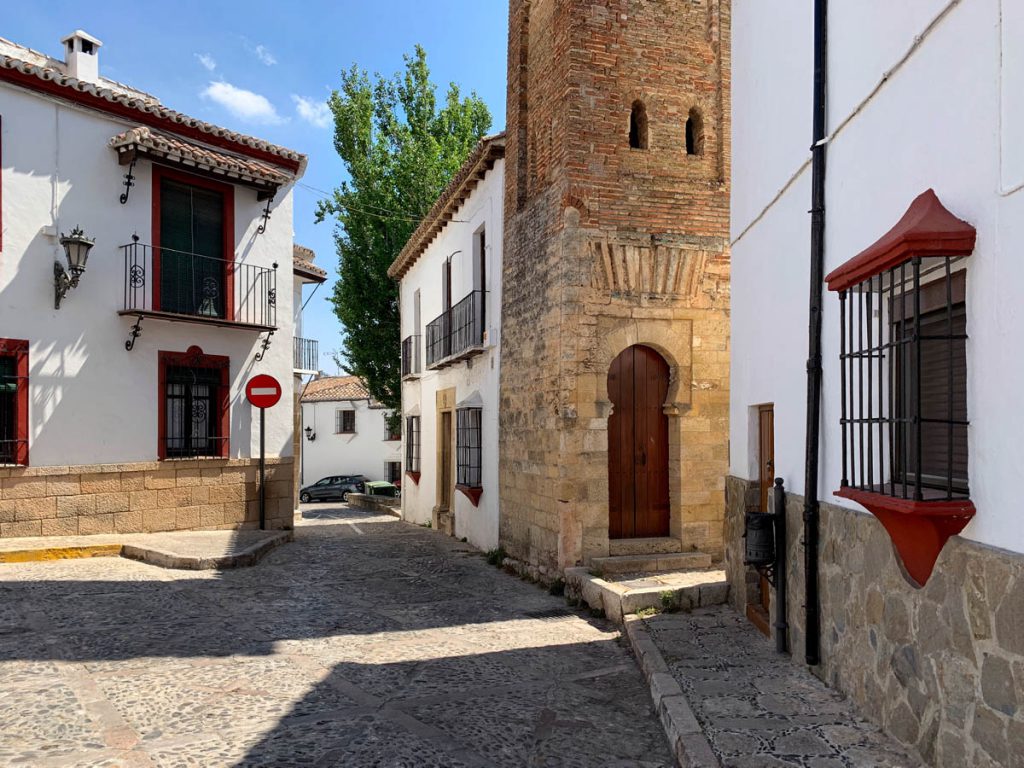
x: 129, y: 182
x: 265, y: 345
x: 134, y: 333
x: 266, y: 217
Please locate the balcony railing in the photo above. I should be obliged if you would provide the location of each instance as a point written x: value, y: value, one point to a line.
x: 410, y: 356
x: 177, y: 285
x: 456, y: 333
x: 306, y: 354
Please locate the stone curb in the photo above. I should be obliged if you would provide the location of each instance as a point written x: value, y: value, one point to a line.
x: 245, y: 557
x: 685, y: 736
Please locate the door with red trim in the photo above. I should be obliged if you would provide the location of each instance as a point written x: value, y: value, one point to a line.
x: 638, y: 496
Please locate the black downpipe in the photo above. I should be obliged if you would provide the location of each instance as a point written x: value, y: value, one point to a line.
x: 781, y: 563
x: 812, y: 645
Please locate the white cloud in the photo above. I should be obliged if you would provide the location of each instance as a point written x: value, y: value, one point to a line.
x: 241, y: 103
x: 316, y: 113
x: 265, y: 56
x: 207, y: 61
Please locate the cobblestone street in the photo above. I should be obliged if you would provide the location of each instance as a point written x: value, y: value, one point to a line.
x: 366, y: 642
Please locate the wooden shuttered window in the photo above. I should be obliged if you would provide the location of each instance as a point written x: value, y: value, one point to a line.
x: 942, y: 370
x: 192, y: 266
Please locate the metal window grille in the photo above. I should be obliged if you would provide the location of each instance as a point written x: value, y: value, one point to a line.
x: 10, y: 384
x: 903, y: 382
x: 193, y: 405
x: 412, y: 443
x: 344, y: 422
x: 410, y: 356
x: 394, y: 471
x: 468, y: 447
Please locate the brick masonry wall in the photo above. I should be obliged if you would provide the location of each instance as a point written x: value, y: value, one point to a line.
x: 142, y: 497
x: 605, y: 247
x: 940, y: 668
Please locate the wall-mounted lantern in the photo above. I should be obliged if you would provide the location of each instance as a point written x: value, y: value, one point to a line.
x: 310, y: 434
x: 76, y: 249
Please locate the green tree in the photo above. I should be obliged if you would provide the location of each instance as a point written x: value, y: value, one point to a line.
x: 400, y: 150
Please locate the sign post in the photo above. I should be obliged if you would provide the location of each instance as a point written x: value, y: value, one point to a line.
x: 263, y: 392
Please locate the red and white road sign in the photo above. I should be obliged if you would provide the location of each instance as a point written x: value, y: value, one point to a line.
x: 263, y: 391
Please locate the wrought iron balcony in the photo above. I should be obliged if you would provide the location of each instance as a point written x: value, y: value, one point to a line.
x: 457, y: 333
x: 306, y: 355
x: 411, y: 357
x: 176, y: 285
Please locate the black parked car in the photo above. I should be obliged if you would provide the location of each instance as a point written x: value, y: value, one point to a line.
x: 335, y: 488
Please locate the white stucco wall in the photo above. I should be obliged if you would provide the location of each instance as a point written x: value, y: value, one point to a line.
x: 366, y: 452
x: 483, y: 208
x: 941, y: 122
x: 91, y: 400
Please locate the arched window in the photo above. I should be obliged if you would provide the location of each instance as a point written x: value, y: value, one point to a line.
x: 695, y: 133
x: 638, y: 126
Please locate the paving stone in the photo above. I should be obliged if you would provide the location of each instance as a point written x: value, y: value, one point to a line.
x: 373, y: 644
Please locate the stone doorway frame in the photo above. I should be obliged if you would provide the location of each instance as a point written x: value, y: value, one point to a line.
x: 673, y: 340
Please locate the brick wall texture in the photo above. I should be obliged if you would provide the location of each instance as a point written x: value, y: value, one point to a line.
x: 608, y: 246
x: 142, y: 497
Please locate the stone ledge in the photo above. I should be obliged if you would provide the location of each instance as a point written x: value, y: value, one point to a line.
x: 385, y: 504
x: 681, y: 590
x: 690, y: 746
x: 204, y: 551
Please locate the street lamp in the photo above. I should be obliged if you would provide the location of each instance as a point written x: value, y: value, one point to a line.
x: 76, y: 249
x: 310, y: 434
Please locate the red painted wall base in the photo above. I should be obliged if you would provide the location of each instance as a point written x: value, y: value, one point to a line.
x: 918, y: 529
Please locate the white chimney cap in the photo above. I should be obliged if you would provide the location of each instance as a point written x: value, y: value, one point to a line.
x: 82, y: 34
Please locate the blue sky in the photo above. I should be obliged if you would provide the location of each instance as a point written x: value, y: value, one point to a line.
x: 266, y: 68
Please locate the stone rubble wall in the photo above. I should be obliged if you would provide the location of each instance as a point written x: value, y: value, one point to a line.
x: 143, y: 497
x: 940, y: 668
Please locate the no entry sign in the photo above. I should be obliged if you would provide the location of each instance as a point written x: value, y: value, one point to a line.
x: 263, y: 391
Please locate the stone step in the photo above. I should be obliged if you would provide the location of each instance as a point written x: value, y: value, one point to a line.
x: 653, y: 546
x: 678, y: 561
x: 667, y: 591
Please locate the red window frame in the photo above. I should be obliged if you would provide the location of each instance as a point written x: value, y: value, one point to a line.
x: 18, y: 349
x: 195, y: 358
x: 160, y: 173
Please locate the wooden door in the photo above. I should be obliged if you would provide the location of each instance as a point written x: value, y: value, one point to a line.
x: 444, y: 477
x: 766, y: 451
x: 638, y: 497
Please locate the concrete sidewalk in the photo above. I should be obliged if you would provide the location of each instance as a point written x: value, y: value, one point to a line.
x: 727, y: 699
x: 189, y: 550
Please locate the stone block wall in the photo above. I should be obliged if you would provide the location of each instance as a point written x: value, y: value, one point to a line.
x: 940, y: 668
x: 606, y: 247
x: 142, y: 497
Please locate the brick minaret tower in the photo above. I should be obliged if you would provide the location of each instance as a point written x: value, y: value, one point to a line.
x: 615, y: 353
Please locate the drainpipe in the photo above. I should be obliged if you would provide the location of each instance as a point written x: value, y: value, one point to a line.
x: 812, y: 646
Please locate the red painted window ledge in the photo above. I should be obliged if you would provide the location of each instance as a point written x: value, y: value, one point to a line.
x: 473, y: 494
x: 414, y: 476
x: 918, y: 529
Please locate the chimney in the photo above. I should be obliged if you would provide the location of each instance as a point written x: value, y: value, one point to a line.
x: 82, y: 56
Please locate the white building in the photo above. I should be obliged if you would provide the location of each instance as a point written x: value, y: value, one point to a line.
x: 123, y: 404
x: 925, y: 106
x: 345, y: 432
x: 450, y: 288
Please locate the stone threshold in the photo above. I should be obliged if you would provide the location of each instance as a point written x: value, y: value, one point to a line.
x: 182, y: 550
x: 630, y: 593
x: 689, y: 745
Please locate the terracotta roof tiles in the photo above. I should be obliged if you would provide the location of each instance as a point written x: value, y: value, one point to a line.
x: 330, y: 388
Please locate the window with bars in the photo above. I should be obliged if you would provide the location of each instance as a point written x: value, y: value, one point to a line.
x: 412, y: 444
x: 394, y: 429
x: 468, y: 447
x: 194, y: 419
x: 904, y: 382
x: 192, y: 399
x: 394, y: 472
x: 13, y: 402
x: 344, y: 422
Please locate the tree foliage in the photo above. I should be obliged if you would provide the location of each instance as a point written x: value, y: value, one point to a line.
x: 400, y: 149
